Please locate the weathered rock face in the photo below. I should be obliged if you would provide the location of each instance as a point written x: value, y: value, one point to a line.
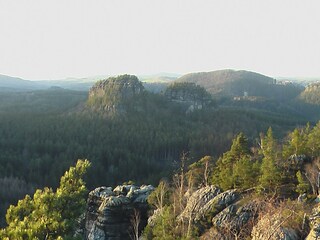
x: 205, y: 200
x: 236, y: 216
x: 110, y: 213
x: 110, y: 94
x: 315, y: 225
x: 270, y: 227
x: 194, y: 96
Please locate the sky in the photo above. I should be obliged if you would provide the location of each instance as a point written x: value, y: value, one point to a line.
x: 43, y: 39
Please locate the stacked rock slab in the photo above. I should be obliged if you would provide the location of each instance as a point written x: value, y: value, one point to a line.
x: 110, y: 212
x: 205, y: 200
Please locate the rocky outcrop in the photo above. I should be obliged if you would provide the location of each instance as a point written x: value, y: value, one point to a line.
x: 236, y: 216
x: 190, y: 94
x: 110, y: 94
x: 111, y: 212
x: 315, y: 225
x: 270, y: 227
x: 295, y: 162
x: 207, y: 200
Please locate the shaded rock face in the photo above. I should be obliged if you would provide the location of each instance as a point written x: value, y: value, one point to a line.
x: 110, y: 212
x: 194, y: 96
x: 110, y: 94
x: 236, y: 216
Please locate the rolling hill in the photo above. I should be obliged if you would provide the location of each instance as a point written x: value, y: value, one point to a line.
x: 8, y: 83
x: 233, y: 83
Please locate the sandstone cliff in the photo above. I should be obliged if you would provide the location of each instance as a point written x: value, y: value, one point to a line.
x: 117, y: 214
x: 110, y: 95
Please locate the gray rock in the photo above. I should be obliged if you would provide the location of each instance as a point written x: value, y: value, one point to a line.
x: 269, y: 227
x: 205, y: 200
x: 315, y: 225
x: 110, y: 212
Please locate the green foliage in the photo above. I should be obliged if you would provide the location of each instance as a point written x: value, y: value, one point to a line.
x: 189, y: 90
x: 297, y: 142
x: 233, y: 83
x: 236, y: 168
x: 160, y: 196
x: 270, y: 174
x: 246, y: 172
x: 199, y: 172
x: 114, y: 91
x: 49, y: 214
x: 303, y: 185
x: 42, y: 131
x: 313, y: 142
x: 164, y: 227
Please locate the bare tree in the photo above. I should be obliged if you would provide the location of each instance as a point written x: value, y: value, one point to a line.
x: 312, y: 174
x: 135, y: 222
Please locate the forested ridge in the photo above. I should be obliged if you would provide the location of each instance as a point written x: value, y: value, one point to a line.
x: 43, y: 132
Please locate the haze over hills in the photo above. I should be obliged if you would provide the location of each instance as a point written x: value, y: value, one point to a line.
x: 8, y: 83
x: 221, y: 83
x: 155, y: 83
x: 237, y: 83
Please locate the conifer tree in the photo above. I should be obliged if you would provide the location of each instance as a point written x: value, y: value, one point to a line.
x: 235, y: 169
x: 313, y: 142
x: 303, y: 186
x: 49, y: 214
x: 270, y: 174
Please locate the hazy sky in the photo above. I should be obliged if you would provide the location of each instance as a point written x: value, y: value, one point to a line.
x: 42, y: 39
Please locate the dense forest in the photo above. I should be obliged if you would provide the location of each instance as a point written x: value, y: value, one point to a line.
x: 43, y: 132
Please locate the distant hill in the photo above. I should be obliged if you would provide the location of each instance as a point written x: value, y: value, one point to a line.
x: 159, y: 82
x: 8, y: 83
x: 233, y: 83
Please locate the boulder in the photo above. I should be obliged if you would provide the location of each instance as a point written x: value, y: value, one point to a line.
x: 236, y: 216
x: 110, y: 212
x: 205, y: 200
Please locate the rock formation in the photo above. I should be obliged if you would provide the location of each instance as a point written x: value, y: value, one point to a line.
x: 111, y: 94
x: 205, y: 200
x: 193, y: 96
x: 112, y: 214
x: 315, y: 224
x: 270, y: 227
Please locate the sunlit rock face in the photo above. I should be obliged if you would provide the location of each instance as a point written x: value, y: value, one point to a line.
x: 111, y: 94
x: 111, y: 213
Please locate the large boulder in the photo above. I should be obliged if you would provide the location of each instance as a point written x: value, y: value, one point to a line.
x: 237, y: 216
x: 205, y: 200
x: 110, y: 213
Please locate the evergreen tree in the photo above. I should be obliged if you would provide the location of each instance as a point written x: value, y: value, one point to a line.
x: 236, y: 169
x: 313, y: 142
x: 270, y: 174
x: 245, y: 173
x: 49, y: 215
x: 297, y: 142
x: 303, y: 185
